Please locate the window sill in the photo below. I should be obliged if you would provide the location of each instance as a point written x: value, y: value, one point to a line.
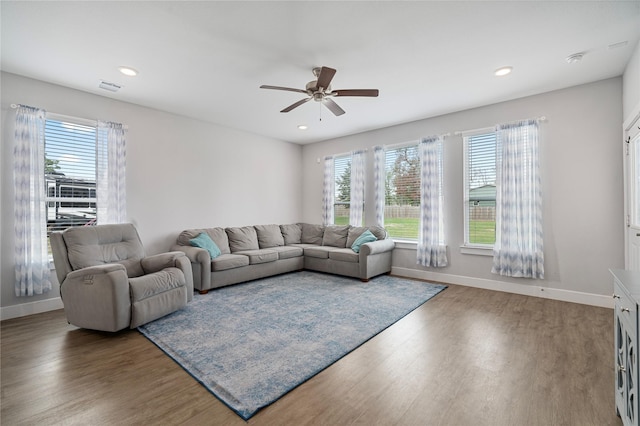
x: 477, y: 250
x: 406, y: 244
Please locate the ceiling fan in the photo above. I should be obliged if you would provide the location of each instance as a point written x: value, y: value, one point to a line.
x: 320, y: 91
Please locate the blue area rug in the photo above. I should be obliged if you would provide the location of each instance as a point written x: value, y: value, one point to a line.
x: 251, y: 343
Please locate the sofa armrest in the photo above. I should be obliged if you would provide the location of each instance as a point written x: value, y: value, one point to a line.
x: 375, y: 247
x: 200, y: 257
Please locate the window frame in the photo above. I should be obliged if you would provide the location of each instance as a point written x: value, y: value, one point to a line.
x: 468, y: 247
x: 60, y: 180
x: 338, y: 159
x: 395, y: 147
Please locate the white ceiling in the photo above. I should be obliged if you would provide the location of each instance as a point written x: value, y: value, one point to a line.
x: 206, y: 60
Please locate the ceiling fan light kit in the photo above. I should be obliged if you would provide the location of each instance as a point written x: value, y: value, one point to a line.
x: 320, y: 91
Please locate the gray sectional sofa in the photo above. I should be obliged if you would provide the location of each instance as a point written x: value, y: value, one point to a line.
x: 252, y: 252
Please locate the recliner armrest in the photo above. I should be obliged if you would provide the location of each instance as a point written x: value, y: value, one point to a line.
x: 177, y: 259
x: 97, y: 297
x: 158, y: 262
x: 375, y: 247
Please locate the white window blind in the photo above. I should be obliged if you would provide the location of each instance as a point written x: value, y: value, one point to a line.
x: 342, y: 176
x: 70, y: 174
x: 402, y: 192
x: 480, y: 189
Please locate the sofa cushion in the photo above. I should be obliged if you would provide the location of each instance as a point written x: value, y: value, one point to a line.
x: 269, y: 236
x: 204, y: 241
x: 228, y: 261
x: 259, y: 256
x: 321, y: 252
x: 311, y: 234
x: 291, y: 233
x: 356, y: 231
x: 335, y: 236
x: 344, y: 255
x: 217, y: 235
x: 287, y: 252
x: 242, y: 239
x: 365, y: 237
x: 378, y: 231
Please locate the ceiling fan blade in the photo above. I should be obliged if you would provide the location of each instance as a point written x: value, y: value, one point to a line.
x: 356, y: 92
x: 289, y: 89
x: 333, y: 107
x: 325, y: 77
x: 296, y: 105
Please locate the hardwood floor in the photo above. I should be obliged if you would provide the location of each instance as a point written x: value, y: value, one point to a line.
x: 466, y: 357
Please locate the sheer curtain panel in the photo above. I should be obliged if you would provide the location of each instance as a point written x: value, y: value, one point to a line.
x: 327, y: 192
x: 31, y: 257
x: 432, y: 250
x: 380, y: 178
x: 357, y: 188
x: 111, y: 182
x: 518, y: 248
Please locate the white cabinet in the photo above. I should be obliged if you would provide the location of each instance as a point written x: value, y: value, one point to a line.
x: 626, y: 294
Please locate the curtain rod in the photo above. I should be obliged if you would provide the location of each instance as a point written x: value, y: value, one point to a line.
x: 70, y: 117
x: 462, y: 132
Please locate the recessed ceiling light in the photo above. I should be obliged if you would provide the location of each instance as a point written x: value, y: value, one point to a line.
x: 500, y: 72
x: 128, y: 71
x: 302, y: 127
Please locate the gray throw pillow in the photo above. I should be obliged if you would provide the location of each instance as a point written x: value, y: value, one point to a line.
x: 312, y: 234
x: 292, y: 234
x: 335, y: 236
x: 269, y: 236
x: 241, y: 239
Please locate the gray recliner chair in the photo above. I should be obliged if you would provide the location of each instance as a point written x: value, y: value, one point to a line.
x: 107, y: 283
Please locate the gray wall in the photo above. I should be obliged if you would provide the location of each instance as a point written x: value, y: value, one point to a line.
x: 581, y: 166
x: 181, y: 173
x: 631, y: 85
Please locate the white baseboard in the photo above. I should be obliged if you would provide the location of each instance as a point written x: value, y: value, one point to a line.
x: 30, y: 308
x: 527, y: 290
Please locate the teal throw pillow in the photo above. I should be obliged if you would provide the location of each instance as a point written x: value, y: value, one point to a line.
x: 204, y: 241
x: 365, y: 237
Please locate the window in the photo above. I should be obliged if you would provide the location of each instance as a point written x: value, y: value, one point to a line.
x: 480, y: 189
x: 70, y: 174
x: 402, y: 192
x: 342, y: 187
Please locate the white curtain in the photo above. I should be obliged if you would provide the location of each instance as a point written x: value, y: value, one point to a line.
x: 328, y: 192
x: 380, y: 179
x: 31, y: 254
x: 518, y: 249
x: 432, y: 250
x: 356, y: 206
x: 111, y: 182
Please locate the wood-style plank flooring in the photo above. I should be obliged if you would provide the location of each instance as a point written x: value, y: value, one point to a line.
x: 467, y: 357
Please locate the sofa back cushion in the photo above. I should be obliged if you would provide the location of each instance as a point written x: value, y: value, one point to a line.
x: 269, y: 236
x: 311, y: 234
x: 292, y: 234
x: 218, y: 235
x: 242, y: 238
x: 335, y: 236
x: 99, y: 245
x: 354, y: 232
